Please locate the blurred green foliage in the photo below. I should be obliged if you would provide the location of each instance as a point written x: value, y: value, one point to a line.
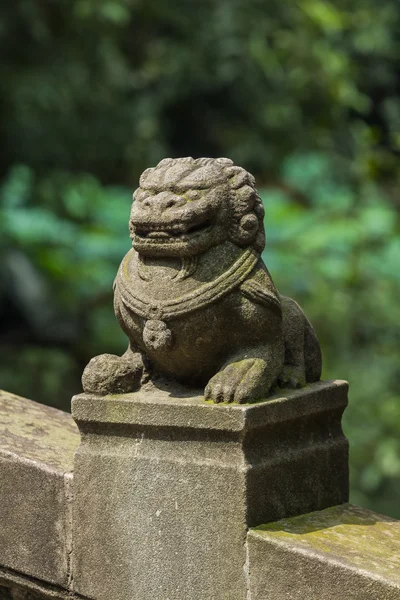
x: 303, y: 94
x: 110, y: 87
x: 339, y: 257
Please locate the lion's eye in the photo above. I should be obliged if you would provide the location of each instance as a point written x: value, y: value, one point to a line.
x: 193, y: 194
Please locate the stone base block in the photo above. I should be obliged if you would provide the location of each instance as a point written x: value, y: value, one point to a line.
x: 166, y: 487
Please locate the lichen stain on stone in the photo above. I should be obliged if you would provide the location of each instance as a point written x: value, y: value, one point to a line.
x: 346, y: 533
x: 37, y: 432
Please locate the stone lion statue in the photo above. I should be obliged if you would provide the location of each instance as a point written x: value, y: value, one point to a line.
x: 194, y: 297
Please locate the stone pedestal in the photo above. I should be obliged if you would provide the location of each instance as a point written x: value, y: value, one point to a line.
x: 165, y: 488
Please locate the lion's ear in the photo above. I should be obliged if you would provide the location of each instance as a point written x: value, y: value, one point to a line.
x: 247, y: 225
x: 244, y: 232
x: 244, y: 200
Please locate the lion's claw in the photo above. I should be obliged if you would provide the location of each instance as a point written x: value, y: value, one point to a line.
x: 108, y: 373
x: 241, y: 381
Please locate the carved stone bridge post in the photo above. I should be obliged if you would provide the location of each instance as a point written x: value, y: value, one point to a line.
x: 166, y: 488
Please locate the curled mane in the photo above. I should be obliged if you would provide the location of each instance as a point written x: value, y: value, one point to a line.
x: 246, y: 227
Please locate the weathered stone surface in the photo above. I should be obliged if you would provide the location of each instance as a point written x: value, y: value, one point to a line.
x: 194, y: 296
x: 166, y: 486
x: 344, y: 552
x: 37, y: 444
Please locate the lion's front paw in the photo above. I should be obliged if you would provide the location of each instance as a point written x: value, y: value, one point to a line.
x: 292, y: 377
x: 243, y: 381
x: 111, y: 374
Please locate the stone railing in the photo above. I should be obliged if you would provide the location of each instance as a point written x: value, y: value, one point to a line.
x: 145, y: 496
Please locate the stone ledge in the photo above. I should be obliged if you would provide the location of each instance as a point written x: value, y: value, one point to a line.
x: 340, y: 552
x: 37, y: 444
x: 33, y: 432
x: 155, y: 407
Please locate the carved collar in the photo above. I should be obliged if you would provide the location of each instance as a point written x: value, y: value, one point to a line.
x: 202, y: 296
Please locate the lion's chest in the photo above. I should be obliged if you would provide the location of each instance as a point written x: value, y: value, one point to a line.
x: 173, y: 344
x: 189, y: 328
x: 194, y: 345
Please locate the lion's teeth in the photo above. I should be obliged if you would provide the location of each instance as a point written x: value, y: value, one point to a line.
x: 158, y: 234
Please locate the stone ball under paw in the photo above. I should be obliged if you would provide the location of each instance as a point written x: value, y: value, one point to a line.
x: 108, y: 373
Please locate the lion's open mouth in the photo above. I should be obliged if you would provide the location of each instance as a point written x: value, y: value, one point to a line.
x: 176, y: 233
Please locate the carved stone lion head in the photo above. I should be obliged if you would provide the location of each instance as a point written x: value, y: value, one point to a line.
x: 184, y: 206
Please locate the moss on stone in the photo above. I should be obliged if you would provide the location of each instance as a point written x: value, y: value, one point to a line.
x: 37, y: 432
x: 349, y: 534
